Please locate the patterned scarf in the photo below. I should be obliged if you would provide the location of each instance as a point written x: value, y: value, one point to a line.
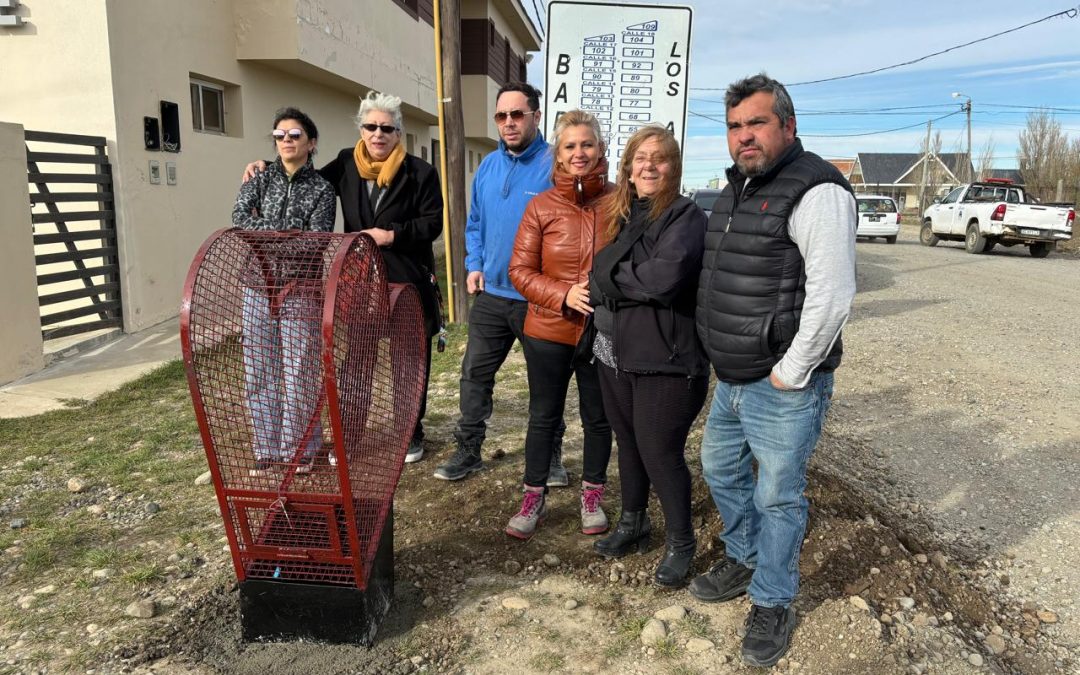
x: 381, y: 172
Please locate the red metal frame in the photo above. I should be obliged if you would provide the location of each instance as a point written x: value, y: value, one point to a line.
x: 256, y: 307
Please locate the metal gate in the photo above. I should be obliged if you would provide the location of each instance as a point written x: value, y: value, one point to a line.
x: 78, y: 270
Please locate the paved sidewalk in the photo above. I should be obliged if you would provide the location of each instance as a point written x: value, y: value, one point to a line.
x: 86, y: 372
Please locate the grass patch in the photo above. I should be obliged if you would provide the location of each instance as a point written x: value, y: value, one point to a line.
x: 144, y: 574
x: 667, y: 648
x: 696, y: 625
x: 547, y: 662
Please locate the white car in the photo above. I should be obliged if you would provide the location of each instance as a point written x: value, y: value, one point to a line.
x: 878, y: 217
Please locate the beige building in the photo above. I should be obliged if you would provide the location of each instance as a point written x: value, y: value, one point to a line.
x: 210, y: 74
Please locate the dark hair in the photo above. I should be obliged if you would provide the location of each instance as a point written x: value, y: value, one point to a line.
x: 291, y: 113
x: 531, y: 93
x: 743, y: 89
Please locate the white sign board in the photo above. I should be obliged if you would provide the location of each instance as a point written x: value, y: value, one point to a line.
x: 627, y: 64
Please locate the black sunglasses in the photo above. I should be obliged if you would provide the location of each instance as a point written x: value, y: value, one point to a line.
x: 279, y: 134
x: 515, y: 114
x: 385, y: 128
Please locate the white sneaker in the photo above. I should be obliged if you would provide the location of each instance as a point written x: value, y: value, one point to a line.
x: 415, y: 452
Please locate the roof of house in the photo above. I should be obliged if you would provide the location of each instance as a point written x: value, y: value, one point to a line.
x: 844, y: 165
x: 887, y: 168
x: 1010, y: 174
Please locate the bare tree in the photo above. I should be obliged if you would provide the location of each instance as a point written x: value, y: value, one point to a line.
x: 1042, y: 153
x: 935, y: 174
x: 986, y: 159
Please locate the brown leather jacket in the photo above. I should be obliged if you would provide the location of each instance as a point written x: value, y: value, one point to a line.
x: 558, y: 236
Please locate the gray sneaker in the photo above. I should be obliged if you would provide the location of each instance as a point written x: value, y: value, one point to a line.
x: 593, y: 518
x: 557, y: 476
x: 533, y: 511
x: 415, y: 452
x: 466, y: 460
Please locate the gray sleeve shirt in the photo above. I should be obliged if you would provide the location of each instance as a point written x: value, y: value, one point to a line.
x: 823, y: 226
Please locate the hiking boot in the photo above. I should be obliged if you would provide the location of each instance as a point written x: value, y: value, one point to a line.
x: 557, y: 476
x: 679, y: 554
x: 768, y: 635
x: 415, y: 453
x: 533, y: 511
x: 632, y: 532
x: 593, y: 518
x: 725, y: 580
x: 466, y: 460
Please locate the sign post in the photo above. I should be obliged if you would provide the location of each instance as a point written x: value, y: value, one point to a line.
x: 627, y: 64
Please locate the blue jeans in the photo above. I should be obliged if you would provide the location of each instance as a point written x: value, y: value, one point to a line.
x: 764, y: 523
x: 283, y: 374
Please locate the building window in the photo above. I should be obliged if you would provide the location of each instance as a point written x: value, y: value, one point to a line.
x: 410, y: 144
x: 423, y: 153
x: 207, y: 107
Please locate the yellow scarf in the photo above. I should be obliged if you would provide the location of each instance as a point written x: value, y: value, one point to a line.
x: 382, y: 172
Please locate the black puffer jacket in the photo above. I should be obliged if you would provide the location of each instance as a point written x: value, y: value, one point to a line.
x: 643, y: 286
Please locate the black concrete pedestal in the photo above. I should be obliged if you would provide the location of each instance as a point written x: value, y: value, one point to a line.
x: 284, y: 610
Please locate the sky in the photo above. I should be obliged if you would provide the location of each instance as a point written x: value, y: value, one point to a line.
x: 794, y: 41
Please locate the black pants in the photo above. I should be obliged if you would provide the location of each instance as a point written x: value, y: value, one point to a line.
x: 494, y: 324
x: 651, y: 416
x: 550, y: 365
x: 418, y: 432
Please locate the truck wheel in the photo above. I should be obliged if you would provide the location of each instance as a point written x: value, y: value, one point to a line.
x: 927, y: 236
x: 974, y: 242
x: 1040, y: 249
x: 890, y: 240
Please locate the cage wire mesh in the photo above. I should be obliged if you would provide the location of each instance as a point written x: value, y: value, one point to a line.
x: 306, y: 372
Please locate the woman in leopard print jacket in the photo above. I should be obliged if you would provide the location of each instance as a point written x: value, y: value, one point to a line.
x: 281, y: 348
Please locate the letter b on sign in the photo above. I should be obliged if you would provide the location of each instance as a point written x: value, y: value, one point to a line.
x: 563, y: 65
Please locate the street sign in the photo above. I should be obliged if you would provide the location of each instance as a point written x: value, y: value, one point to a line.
x: 627, y: 64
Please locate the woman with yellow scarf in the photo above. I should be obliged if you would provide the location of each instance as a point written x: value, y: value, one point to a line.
x: 395, y: 198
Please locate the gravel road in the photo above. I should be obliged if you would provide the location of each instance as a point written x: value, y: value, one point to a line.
x: 962, y: 382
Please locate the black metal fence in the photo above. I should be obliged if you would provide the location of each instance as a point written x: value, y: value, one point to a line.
x: 75, y: 248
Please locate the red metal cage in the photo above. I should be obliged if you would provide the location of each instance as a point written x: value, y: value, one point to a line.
x: 306, y: 372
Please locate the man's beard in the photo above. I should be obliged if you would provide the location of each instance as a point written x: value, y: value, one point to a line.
x: 522, y: 144
x: 754, y: 167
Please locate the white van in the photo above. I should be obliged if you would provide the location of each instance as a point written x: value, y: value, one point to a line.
x: 878, y: 217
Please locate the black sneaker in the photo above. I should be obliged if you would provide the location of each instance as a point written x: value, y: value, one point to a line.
x: 724, y: 581
x: 768, y: 635
x: 466, y: 460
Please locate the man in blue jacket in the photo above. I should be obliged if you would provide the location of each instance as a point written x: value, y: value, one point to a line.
x: 505, y: 182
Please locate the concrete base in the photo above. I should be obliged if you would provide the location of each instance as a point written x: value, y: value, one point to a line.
x: 281, y: 610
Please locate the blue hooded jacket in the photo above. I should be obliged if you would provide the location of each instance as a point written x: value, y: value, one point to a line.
x: 503, y: 186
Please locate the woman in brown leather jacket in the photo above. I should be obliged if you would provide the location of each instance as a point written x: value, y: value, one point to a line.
x: 558, y: 236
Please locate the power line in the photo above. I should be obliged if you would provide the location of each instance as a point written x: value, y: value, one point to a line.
x: 1070, y: 13
x: 539, y: 17
x: 867, y: 133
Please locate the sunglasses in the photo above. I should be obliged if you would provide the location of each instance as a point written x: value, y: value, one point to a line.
x: 280, y: 134
x: 385, y: 128
x: 516, y: 115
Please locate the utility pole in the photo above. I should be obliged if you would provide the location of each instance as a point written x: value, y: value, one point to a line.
x: 453, y: 147
x: 969, y: 169
x: 925, y: 167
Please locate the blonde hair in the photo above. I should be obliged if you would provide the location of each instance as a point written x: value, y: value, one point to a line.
x: 573, y: 118
x: 616, y: 206
x: 386, y: 103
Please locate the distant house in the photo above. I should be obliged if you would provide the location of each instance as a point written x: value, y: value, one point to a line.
x: 844, y: 165
x: 1007, y: 174
x: 900, y: 174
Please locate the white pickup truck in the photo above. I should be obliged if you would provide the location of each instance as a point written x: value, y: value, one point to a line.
x: 993, y: 212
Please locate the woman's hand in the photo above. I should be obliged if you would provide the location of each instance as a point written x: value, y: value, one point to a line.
x: 382, y: 237
x: 577, y: 299
x: 258, y: 166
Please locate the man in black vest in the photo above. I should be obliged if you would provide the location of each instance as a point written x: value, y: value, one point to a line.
x: 776, y: 287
